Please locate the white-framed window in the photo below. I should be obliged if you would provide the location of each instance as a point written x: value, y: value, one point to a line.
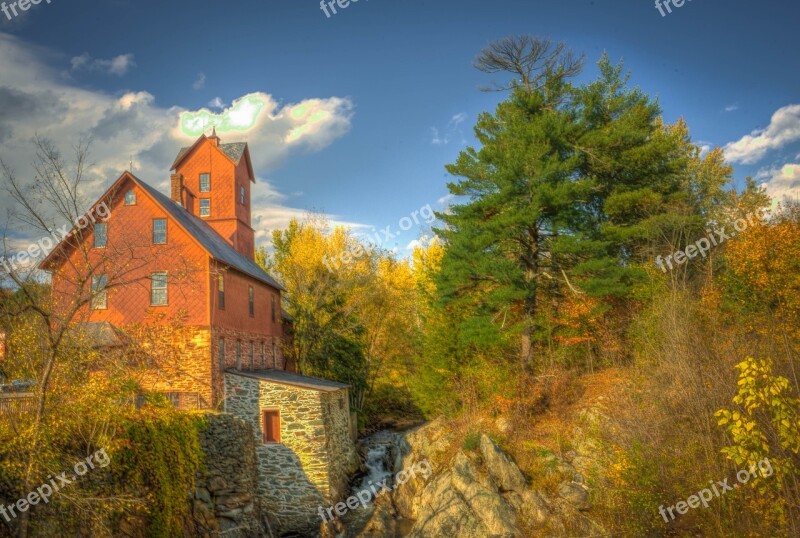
x: 158, y: 289
x: 205, y: 207
x: 159, y: 231
x: 130, y: 197
x: 205, y: 182
x: 241, y: 194
x: 99, y: 292
x: 100, y: 234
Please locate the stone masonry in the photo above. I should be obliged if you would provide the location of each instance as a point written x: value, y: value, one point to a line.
x: 225, y: 501
x: 309, y: 468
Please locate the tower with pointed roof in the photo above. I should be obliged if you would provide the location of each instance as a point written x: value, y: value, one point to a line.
x: 213, y: 181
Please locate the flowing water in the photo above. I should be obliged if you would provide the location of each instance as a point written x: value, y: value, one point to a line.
x: 382, y: 457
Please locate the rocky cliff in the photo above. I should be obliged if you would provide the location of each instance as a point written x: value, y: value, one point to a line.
x: 480, y: 493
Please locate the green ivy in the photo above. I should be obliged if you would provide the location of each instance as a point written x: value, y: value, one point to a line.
x: 161, y: 460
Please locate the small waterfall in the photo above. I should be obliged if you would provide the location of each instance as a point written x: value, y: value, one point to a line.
x: 377, y: 468
x: 382, y: 457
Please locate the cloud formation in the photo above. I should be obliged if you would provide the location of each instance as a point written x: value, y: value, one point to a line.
x: 452, y: 129
x: 118, y: 65
x: 35, y: 98
x: 784, y: 128
x: 781, y: 182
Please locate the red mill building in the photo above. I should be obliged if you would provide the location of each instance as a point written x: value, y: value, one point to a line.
x: 188, y: 256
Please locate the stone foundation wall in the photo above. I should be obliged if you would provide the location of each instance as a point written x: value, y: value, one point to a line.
x: 178, y: 359
x: 294, y: 476
x: 343, y: 461
x: 226, y: 500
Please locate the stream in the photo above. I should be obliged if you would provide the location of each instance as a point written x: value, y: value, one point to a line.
x: 381, y: 456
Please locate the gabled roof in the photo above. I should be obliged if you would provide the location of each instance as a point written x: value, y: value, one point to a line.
x: 199, y: 230
x: 211, y: 241
x: 234, y: 151
x: 295, y: 380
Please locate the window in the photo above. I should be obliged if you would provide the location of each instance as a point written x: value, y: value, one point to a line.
x: 130, y: 197
x: 221, y: 288
x: 238, y: 354
x: 273, y: 309
x: 341, y: 403
x: 251, y: 296
x: 274, y: 355
x: 221, y: 353
x: 263, y: 355
x: 252, y: 355
x: 159, y: 231
x: 205, y: 182
x: 271, y: 426
x: 99, y: 293
x: 184, y: 401
x: 241, y: 194
x: 100, y: 235
x: 205, y: 207
x: 158, y: 289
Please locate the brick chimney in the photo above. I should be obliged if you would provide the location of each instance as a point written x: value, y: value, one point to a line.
x: 176, y: 190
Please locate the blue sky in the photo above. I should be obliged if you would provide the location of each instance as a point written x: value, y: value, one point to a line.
x: 393, y: 79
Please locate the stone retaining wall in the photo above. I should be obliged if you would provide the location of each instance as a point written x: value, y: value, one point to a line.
x: 225, y: 500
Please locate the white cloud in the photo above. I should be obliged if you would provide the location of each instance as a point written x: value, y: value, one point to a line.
x: 450, y: 131
x: 458, y: 119
x: 216, y: 103
x: 200, y: 82
x: 731, y: 108
x: 784, y: 128
x: 424, y: 241
x: 782, y: 182
x: 118, y: 65
x: 36, y: 99
x: 446, y: 199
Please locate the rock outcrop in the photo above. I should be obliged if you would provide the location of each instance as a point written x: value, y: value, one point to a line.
x: 475, y: 495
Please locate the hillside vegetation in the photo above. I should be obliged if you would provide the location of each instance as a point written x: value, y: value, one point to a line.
x: 553, y: 283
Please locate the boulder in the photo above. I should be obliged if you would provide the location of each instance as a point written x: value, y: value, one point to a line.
x: 503, y: 471
x: 532, y: 507
x: 463, y: 502
x: 483, y: 498
x: 575, y: 494
x: 382, y: 523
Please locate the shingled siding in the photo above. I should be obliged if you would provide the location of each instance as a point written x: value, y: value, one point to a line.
x: 304, y: 471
